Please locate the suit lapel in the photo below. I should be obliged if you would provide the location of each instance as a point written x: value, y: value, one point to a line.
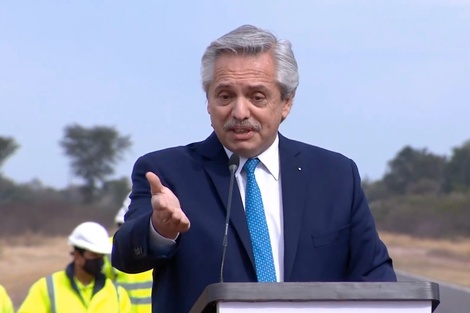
x: 293, y: 195
x: 215, y: 162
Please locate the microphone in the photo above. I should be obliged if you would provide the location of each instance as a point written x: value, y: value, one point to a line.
x: 233, y: 164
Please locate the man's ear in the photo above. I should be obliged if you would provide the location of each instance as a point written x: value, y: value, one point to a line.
x: 288, y: 102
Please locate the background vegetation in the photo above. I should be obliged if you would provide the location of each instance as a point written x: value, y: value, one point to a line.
x: 33, y: 208
x: 424, y: 194
x: 421, y: 194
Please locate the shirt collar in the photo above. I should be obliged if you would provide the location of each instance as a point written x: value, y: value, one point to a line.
x: 82, y: 286
x: 269, y: 158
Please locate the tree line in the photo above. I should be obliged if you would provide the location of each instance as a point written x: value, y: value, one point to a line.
x: 93, y: 154
x: 419, y: 171
x: 421, y: 193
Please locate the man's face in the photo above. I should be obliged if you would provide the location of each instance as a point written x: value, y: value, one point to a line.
x: 91, y: 262
x: 244, y: 103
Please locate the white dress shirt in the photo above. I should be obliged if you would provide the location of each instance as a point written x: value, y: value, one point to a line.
x: 268, y: 177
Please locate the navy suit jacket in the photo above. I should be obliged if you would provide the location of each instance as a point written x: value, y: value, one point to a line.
x: 329, y: 231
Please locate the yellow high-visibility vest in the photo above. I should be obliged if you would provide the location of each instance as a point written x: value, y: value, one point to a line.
x: 138, y: 286
x: 58, y: 293
x: 6, y: 306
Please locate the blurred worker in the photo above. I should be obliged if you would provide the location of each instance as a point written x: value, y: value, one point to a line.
x: 138, y: 286
x: 81, y: 287
x: 6, y: 306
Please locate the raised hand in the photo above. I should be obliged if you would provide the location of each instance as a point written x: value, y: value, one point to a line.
x: 167, y: 218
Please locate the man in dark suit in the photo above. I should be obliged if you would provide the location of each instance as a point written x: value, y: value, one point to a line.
x: 315, y: 223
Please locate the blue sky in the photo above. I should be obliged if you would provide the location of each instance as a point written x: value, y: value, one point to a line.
x: 374, y: 75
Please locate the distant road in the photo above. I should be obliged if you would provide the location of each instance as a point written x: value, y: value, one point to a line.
x: 454, y: 298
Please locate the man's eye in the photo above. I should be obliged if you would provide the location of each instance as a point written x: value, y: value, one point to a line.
x: 258, y: 98
x: 224, y: 98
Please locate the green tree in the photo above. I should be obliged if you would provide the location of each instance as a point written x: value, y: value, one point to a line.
x: 415, y: 170
x: 457, y: 172
x: 8, y: 147
x: 375, y: 190
x: 93, y: 152
x: 118, y: 189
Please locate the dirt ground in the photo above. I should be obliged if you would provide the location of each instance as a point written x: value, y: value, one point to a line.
x: 22, y: 263
x: 440, y: 260
x: 25, y: 260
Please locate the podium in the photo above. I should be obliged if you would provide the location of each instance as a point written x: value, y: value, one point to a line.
x: 319, y: 297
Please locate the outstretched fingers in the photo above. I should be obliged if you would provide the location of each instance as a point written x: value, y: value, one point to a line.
x: 168, y: 218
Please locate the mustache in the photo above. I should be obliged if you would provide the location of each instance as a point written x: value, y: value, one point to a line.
x: 242, y: 124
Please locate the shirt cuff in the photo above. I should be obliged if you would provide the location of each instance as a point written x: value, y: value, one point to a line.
x: 159, y: 243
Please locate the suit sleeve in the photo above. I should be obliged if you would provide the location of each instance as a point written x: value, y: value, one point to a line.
x: 369, y: 259
x: 132, y: 251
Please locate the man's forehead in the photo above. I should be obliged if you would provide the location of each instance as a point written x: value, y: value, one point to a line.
x: 93, y: 254
x: 246, y: 85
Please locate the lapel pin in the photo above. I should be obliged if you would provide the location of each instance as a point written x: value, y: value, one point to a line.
x: 299, y: 168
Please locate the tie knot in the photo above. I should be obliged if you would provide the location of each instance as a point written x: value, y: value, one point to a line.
x: 250, y: 165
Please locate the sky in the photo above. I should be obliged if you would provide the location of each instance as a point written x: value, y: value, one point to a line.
x: 374, y: 75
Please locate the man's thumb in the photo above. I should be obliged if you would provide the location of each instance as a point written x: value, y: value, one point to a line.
x: 155, y: 183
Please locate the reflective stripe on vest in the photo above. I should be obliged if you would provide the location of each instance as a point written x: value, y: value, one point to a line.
x: 136, y: 286
x: 141, y: 301
x: 51, y: 293
x: 140, y: 293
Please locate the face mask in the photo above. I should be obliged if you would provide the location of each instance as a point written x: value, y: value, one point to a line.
x: 93, y: 266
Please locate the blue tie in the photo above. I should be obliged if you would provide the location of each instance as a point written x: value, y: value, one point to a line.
x: 257, y: 226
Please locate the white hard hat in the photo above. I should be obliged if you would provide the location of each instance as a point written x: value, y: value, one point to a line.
x: 119, y: 219
x: 91, y: 236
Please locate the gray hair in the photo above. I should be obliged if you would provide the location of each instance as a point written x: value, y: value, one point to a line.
x: 251, y: 40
